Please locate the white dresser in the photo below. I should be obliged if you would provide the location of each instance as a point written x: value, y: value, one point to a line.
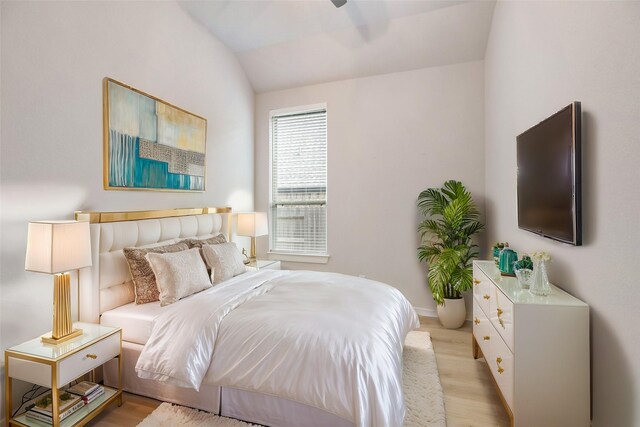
x: 536, y: 347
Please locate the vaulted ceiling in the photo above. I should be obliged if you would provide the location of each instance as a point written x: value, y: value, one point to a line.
x: 283, y: 44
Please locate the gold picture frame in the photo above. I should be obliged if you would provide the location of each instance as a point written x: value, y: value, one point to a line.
x: 150, y: 144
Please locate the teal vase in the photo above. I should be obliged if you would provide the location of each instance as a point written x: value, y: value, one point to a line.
x: 507, y: 257
x: 496, y: 255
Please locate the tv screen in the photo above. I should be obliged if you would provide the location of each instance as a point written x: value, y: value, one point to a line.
x: 549, y: 177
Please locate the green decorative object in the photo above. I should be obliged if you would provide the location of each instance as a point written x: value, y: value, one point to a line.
x: 524, y: 263
x: 507, y: 258
x: 499, y: 246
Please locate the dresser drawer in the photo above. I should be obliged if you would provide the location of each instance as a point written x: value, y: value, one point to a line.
x: 481, y: 327
x: 481, y: 288
x: 89, y: 358
x: 501, y: 315
x: 33, y: 372
x: 501, y: 362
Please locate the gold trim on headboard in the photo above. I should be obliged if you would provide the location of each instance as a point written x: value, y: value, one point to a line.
x: 101, y: 217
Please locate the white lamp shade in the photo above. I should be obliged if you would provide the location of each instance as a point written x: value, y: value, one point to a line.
x: 58, y: 246
x: 252, y: 224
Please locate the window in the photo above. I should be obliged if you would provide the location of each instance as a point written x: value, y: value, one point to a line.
x: 299, y: 182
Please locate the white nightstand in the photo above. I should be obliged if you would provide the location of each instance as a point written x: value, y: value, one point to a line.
x: 262, y: 264
x: 55, y: 366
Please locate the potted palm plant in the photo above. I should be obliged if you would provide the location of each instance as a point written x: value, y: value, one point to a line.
x: 451, y: 220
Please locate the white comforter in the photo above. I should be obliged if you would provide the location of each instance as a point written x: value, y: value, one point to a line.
x: 323, y: 339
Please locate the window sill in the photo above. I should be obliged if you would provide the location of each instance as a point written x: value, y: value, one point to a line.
x: 288, y: 257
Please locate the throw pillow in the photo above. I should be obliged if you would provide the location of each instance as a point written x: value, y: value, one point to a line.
x: 225, y: 261
x: 144, y: 280
x: 179, y: 274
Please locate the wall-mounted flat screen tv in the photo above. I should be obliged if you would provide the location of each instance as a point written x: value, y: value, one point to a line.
x: 550, y: 176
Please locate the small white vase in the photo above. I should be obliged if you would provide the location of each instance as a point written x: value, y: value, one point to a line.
x: 453, y: 313
x: 540, y: 285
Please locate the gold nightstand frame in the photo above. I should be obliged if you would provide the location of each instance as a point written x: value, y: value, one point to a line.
x: 53, y: 364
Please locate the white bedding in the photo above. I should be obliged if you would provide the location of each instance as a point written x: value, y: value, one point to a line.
x: 322, y: 339
x: 135, y: 320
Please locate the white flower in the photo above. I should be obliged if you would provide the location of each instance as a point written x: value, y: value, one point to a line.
x: 540, y: 256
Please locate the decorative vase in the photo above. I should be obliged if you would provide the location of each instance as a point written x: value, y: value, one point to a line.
x: 540, y: 285
x: 507, y: 257
x: 524, y: 276
x: 453, y: 313
x: 496, y: 256
x: 497, y: 248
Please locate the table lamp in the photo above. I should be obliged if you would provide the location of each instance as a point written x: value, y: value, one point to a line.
x: 252, y: 224
x: 56, y: 247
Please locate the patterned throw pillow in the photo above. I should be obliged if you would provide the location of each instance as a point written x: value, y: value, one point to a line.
x: 179, y: 274
x: 225, y: 261
x: 199, y: 243
x: 143, y: 278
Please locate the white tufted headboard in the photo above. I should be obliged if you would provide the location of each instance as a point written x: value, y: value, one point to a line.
x: 107, y: 283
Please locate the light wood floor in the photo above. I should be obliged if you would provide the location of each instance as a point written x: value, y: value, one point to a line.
x: 469, y: 395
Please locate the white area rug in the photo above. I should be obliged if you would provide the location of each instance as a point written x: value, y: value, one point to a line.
x: 421, y: 383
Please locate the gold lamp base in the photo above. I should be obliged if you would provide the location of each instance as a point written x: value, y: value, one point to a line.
x: 62, y: 324
x: 252, y: 253
x: 48, y: 339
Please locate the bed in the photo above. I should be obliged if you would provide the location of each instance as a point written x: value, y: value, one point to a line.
x: 276, y: 348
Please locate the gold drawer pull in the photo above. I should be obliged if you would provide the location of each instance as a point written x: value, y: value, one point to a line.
x: 92, y: 356
x: 486, y: 337
x: 500, y: 313
x: 476, y: 281
x: 476, y: 321
x: 498, y: 362
x: 486, y: 296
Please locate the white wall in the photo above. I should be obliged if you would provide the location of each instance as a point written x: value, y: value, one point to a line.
x: 389, y: 137
x: 541, y: 56
x: 1, y: 215
x: 54, y: 57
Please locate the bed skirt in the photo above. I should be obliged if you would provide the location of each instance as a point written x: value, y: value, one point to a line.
x: 245, y: 405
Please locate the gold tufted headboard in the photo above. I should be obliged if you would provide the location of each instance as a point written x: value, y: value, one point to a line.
x: 107, y: 283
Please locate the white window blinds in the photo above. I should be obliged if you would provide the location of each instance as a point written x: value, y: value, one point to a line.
x: 299, y: 183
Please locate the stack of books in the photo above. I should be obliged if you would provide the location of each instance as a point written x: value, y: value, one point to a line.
x: 87, y: 391
x: 69, y: 401
x: 42, y: 407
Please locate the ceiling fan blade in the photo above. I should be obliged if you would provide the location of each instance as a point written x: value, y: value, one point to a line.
x: 338, y: 3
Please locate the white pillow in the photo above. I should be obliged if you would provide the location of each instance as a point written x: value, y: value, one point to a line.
x: 225, y: 261
x: 178, y: 274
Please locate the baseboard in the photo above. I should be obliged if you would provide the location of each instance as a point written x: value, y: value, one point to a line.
x: 427, y: 312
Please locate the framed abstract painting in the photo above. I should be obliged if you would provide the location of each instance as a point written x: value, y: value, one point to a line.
x: 150, y: 144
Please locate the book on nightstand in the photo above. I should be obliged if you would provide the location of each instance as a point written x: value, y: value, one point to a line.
x: 42, y: 407
x: 93, y: 396
x: 87, y: 391
x: 83, y: 388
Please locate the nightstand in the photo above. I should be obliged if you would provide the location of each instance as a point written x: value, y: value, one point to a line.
x: 55, y: 366
x: 263, y: 264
